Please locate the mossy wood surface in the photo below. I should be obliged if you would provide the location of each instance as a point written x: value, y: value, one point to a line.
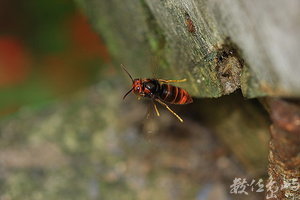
x: 195, y: 40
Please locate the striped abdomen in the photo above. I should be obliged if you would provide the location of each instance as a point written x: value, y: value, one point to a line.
x: 174, y: 95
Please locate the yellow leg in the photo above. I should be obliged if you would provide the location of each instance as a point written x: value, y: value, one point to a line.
x: 162, y: 103
x: 155, y: 108
x: 171, y: 81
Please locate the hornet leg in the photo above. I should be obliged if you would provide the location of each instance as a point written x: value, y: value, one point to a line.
x: 171, y: 81
x: 162, y: 103
x: 155, y: 108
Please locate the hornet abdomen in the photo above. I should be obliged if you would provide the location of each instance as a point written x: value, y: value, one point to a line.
x: 174, y: 95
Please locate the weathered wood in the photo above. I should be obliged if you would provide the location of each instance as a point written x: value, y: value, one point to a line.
x: 284, y: 157
x: 264, y: 33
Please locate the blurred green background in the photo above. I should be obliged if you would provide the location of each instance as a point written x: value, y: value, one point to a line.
x: 47, y: 50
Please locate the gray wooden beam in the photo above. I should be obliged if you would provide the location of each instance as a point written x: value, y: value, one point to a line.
x: 265, y: 35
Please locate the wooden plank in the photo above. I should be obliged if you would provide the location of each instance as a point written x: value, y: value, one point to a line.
x: 265, y: 35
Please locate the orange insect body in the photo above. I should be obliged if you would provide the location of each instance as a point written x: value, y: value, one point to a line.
x: 154, y: 88
x: 159, y: 90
